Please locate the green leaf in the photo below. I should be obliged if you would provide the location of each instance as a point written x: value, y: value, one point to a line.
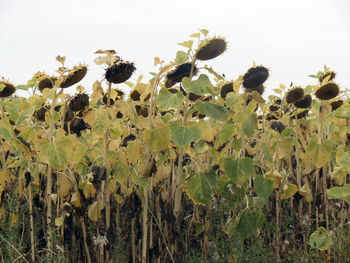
x: 158, y: 138
x: 238, y: 170
x: 166, y: 100
x: 320, y: 239
x: 187, y: 44
x: 23, y: 87
x: 343, y: 159
x: 101, y: 123
x: 201, y: 86
x: 249, y: 125
x: 204, y: 31
x: 248, y: 222
x: 121, y: 171
x: 226, y: 133
x: 263, y: 186
x: 186, y: 83
x: 342, y: 193
x: 185, y: 135
x: 319, y: 154
x: 57, y: 156
x: 199, y: 187
x: 181, y: 57
x: 199, y: 227
x: 6, y: 129
x: 213, y: 110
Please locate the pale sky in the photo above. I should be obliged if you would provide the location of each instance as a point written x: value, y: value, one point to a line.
x: 292, y: 38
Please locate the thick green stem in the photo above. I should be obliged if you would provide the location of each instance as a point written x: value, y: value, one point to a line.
x: 177, y: 202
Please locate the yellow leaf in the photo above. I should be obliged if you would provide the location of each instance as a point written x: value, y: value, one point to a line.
x: 289, y: 191
x: 306, y: 192
x: 93, y: 212
x: 237, y: 83
x: 3, y: 210
x: 54, y: 198
x: 157, y: 61
x: 14, y: 218
x: 65, y: 184
x: 88, y: 189
x: 80, y: 89
x: 59, y: 221
x: 134, y: 151
x: 75, y: 200
x: 97, y: 92
x: 163, y: 172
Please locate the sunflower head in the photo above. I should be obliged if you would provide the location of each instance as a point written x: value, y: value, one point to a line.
x: 74, y: 76
x: 193, y: 97
x: 304, y: 102
x: 328, y: 74
x: 327, y: 91
x: 120, y: 71
x: 39, y: 114
x: 176, y: 75
x: 6, y: 89
x: 277, y: 126
x: 226, y: 88
x: 294, y: 94
x: 255, y: 77
x: 335, y: 104
x: 79, y: 102
x: 46, y: 83
x: 211, y: 48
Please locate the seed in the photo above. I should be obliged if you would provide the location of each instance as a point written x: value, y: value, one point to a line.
x: 294, y: 94
x: 8, y: 90
x: 328, y: 91
x: 211, y: 48
x: 176, y: 75
x: 74, y: 76
x: 304, y: 102
x: 120, y: 71
x: 255, y: 77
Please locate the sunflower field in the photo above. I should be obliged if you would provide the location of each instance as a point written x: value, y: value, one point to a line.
x: 185, y: 167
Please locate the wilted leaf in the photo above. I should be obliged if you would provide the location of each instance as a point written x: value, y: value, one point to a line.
x: 94, y: 211
x: 158, y: 138
x: 59, y: 221
x: 289, y: 191
x: 263, y: 186
x: 187, y: 44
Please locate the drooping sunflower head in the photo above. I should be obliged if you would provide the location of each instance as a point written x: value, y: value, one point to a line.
x: 304, y: 102
x: 294, y: 94
x: 328, y: 91
x: 328, y: 74
x: 79, y: 102
x: 335, y: 104
x: 255, y: 77
x: 74, y: 76
x: 120, y: 71
x: 226, y: 88
x: 211, y: 48
x: 6, y: 89
x: 277, y: 126
x: 176, y: 75
x: 46, y: 83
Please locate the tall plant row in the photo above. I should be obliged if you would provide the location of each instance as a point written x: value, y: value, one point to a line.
x: 152, y: 173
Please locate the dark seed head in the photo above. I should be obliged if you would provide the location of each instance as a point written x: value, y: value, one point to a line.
x: 47, y: 83
x: 211, y: 48
x: 278, y: 126
x: 329, y: 74
x: 294, y: 94
x: 304, y: 102
x: 255, y: 77
x: 74, y: 76
x: 79, y: 102
x: 328, y: 91
x: 226, y: 88
x: 336, y: 104
x: 176, y: 75
x: 7, y: 90
x: 120, y: 72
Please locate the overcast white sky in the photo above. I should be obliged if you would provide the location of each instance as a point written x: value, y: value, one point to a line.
x: 292, y: 38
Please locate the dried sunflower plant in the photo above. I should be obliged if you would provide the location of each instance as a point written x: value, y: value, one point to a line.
x: 167, y: 168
